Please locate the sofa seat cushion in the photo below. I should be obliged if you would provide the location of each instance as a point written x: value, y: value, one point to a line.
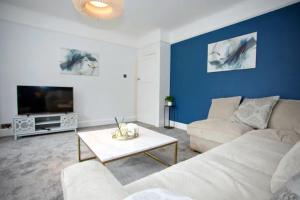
x: 217, y: 130
x: 202, y: 145
x: 241, y: 169
x: 90, y: 180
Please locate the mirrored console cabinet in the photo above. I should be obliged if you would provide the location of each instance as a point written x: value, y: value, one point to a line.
x: 26, y: 125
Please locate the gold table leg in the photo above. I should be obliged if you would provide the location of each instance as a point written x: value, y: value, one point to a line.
x: 157, y: 159
x: 176, y: 153
x: 78, y: 147
x: 162, y: 162
x: 79, y: 153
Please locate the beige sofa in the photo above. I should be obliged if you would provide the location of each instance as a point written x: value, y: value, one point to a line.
x: 218, y: 129
x: 240, y: 169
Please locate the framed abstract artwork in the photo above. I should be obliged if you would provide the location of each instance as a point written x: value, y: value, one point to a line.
x: 76, y: 62
x: 232, y: 54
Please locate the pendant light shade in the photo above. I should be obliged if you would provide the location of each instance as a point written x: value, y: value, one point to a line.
x: 99, y: 9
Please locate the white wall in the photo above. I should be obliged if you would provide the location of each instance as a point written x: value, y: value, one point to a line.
x: 30, y: 56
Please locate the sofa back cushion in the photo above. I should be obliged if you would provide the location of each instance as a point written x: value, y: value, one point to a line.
x: 286, y: 115
x: 223, y: 108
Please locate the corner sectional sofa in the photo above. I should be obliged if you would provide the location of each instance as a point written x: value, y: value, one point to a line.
x: 219, y: 129
x: 241, y: 168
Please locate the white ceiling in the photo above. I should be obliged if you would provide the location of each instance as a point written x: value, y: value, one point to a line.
x: 140, y: 16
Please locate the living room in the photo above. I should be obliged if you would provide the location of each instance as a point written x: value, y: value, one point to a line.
x: 113, y: 99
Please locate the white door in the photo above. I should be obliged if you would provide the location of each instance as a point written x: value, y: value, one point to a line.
x: 147, y: 88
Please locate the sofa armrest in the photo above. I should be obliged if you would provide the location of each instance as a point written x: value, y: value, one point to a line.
x: 90, y: 180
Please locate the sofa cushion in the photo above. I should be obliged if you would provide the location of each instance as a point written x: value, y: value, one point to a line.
x: 256, y: 112
x: 223, y: 108
x: 90, y: 180
x: 217, y: 130
x: 241, y: 169
x: 156, y: 194
x: 288, y: 167
x: 202, y: 145
x: 286, y: 115
x: 285, y: 136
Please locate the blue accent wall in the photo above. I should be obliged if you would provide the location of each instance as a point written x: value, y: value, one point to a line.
x: 277, y: 69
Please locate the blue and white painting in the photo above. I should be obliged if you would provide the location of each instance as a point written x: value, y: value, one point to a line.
x: 78, y: 62
x: 232, y: 54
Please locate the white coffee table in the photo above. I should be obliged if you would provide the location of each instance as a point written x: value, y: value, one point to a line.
x: 106, y: 149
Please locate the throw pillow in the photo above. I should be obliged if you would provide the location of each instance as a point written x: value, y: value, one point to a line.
x: 223, y: 108
x: 255, y: 112
x: 291, y: 191
x: 288, y: 167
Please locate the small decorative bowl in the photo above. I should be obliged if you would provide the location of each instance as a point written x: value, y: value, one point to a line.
x: 124, y: 135
x: 127, y: 132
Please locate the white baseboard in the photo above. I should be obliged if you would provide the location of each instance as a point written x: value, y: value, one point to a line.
x: 6, y: 132
x: 100, y: 122
x: 179, y: 125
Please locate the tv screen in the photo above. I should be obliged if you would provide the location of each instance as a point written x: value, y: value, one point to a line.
x: 38, y: 99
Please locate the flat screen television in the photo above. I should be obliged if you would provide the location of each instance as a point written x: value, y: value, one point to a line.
x: 42, y: 100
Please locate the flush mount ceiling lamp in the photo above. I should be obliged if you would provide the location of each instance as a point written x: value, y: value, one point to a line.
x: 99, y: 9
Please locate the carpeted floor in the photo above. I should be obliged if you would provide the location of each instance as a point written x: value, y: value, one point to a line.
x: 30, y: 167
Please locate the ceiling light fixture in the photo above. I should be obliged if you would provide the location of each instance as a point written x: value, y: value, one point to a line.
x: 98, y: 4
x: 99, y: 9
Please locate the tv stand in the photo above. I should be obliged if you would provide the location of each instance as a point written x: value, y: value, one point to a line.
x: 26, y: 125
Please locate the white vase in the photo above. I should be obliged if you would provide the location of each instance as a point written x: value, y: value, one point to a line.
x: 169, y: 103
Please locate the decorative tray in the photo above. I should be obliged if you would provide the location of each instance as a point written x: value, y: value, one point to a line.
x: 124, y: 135
x: 125, y: 131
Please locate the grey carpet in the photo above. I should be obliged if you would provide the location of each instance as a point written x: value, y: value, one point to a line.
x: 30, y: 167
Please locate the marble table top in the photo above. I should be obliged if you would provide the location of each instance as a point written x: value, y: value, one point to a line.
x: 100, y: 142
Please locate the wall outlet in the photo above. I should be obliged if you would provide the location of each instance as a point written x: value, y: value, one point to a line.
x: 5, y: 126
x: 6, y: 130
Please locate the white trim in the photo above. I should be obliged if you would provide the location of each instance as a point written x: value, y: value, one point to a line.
x: 179, y: 125
x: 234, y: 14
x: 153, y: 37
x: 39, y: 20
x: 149, y: 38
x: 99, y: 122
